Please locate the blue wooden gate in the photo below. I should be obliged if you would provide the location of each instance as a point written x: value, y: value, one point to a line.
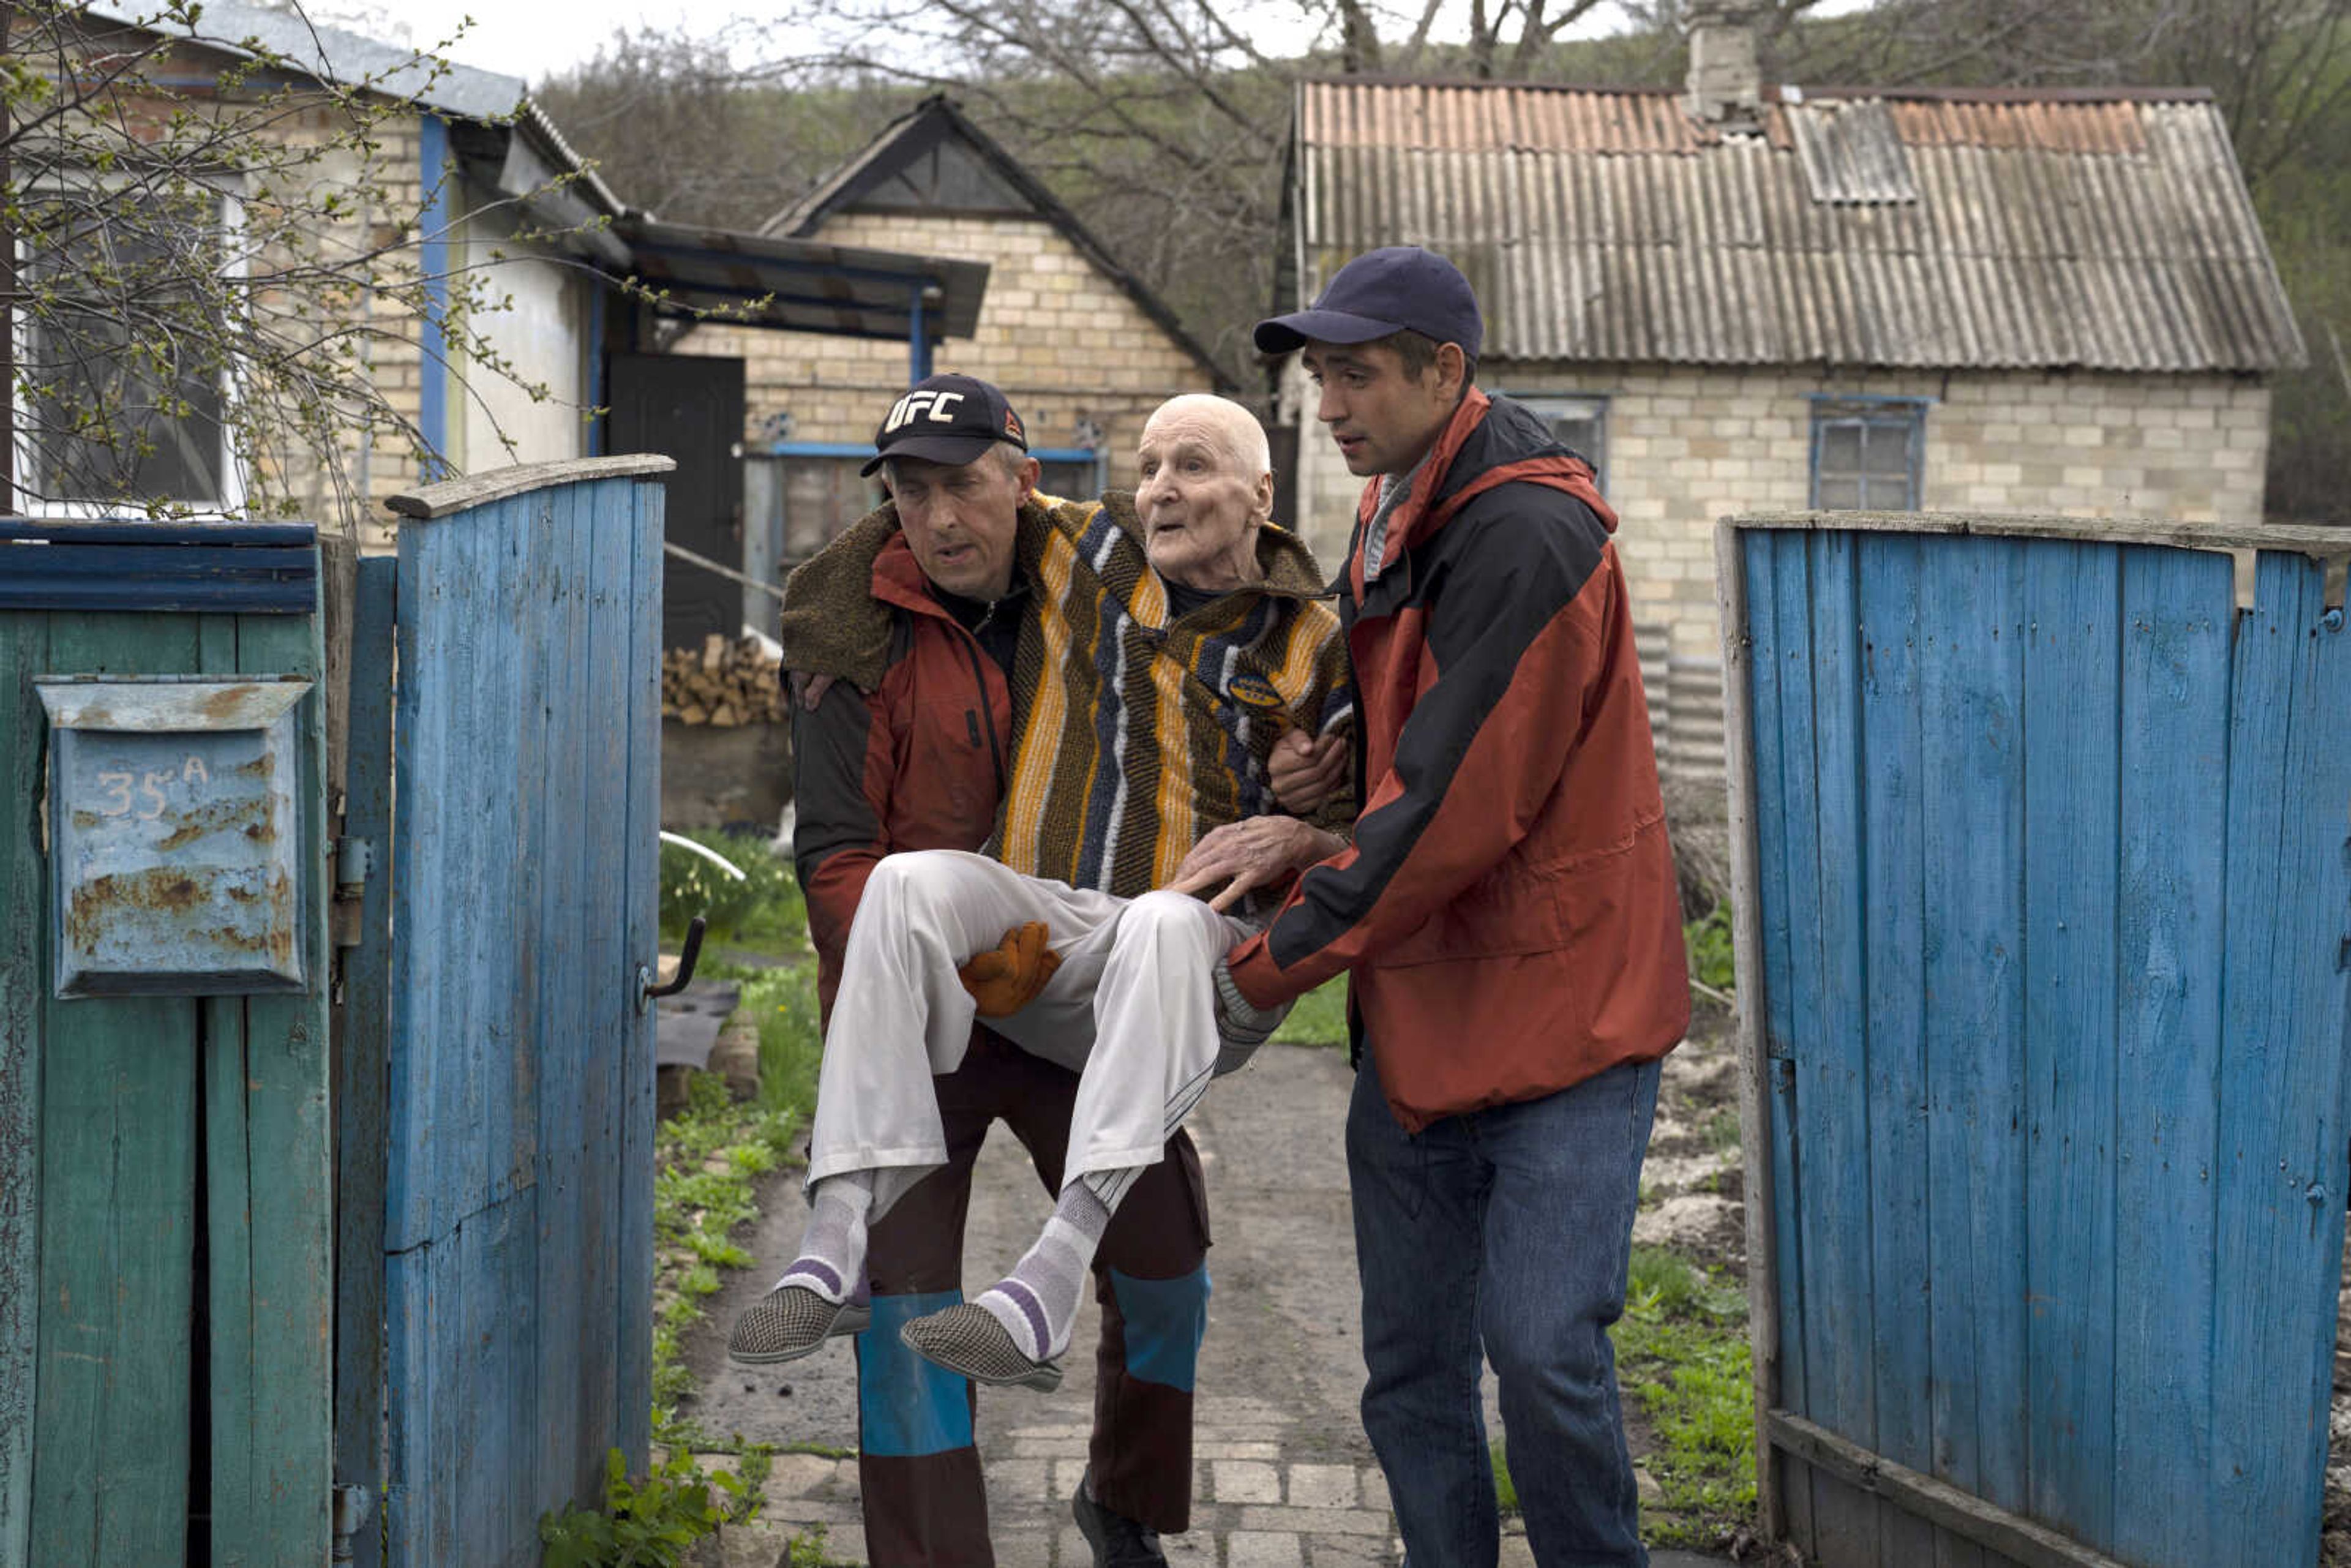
x: 2043, y: 845
x: 517, y: 1073
x: 164, y: 1203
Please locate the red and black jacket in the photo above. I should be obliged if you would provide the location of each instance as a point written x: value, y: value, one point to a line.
x: 915, y: 764
x: 1508, y: 907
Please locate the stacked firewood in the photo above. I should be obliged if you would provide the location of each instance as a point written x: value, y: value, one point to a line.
x: 727, y: 681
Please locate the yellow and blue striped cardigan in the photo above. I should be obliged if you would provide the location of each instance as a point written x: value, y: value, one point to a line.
x: 1114, y: 794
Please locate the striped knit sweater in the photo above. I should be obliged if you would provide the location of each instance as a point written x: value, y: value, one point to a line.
x: 1114, y: 794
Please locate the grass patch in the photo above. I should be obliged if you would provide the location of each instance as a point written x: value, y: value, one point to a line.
x: 711, y: 1155
x: 1712, y: 961
x: 1319, y: 1019
x: 764, y: 910
x: 1682, y: 1351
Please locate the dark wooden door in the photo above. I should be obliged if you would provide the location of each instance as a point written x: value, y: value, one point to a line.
x: 690, y: 408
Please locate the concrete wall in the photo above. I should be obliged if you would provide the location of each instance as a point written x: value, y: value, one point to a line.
x: 1064, y: 342
x: 1688, y: 446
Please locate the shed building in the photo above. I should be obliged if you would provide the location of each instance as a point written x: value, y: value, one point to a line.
x: 1735, y: 299
x: 1081, y: 346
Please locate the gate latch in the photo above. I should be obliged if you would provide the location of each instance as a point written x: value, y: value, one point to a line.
x: 686, y: 958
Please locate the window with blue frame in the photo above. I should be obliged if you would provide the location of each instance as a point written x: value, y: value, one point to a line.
x: 1580, y: 423
x: 1866, y: 454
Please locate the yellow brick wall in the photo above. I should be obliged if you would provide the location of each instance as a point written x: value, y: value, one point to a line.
x: 1064, y: 342
x: 1686, y: 446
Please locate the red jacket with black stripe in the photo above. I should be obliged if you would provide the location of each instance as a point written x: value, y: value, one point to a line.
x: 915, y: 764
x: 1508, y: 907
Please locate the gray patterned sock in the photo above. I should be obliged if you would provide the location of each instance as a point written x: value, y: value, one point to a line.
x: 1038, y: 1301
x: 832, y: 1250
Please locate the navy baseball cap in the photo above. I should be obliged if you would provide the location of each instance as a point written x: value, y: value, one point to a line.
x: 1396, y: 287
x: 948, y: 419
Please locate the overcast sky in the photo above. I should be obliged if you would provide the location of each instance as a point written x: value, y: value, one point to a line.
x: 537, y: 39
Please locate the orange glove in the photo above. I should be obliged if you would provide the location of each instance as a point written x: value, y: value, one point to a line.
x: 1007, y: 978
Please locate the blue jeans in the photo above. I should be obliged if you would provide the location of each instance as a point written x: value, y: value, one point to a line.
x: 1508, y: 1231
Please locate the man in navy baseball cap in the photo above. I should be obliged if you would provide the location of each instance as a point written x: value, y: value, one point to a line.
x: 1396, y: 288
x: 1508, y: 908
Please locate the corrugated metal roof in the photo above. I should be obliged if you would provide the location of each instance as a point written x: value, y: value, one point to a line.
x: 1925, y: 229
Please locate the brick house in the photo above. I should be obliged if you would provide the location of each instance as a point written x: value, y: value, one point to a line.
x: 1084, y: 349
x: 502, y: 197
x: 1735, y: 299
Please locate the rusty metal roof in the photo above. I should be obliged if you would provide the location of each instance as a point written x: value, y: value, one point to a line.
x: 2108, y: 230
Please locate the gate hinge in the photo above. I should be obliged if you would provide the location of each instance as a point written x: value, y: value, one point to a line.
x: 350, y: 1508
x: 354, y: 858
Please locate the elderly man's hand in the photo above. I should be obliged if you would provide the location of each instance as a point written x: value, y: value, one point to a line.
x: 1306, y: 770
x: 1253, y: 852
x: 807, y: 690
x: 1008, y: 977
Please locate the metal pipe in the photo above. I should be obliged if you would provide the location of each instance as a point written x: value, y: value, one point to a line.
x: 713, y: 856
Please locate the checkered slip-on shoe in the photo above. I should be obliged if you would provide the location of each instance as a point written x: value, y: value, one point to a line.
x: 968, y: 1341
x: 791, y: 1321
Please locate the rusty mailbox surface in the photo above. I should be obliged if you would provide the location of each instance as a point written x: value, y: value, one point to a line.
x: 175, y: 864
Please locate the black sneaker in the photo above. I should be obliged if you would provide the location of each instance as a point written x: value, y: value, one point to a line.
x: 1118, y: 1541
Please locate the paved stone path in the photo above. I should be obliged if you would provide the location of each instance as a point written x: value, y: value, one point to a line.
x: 1284, y: 1477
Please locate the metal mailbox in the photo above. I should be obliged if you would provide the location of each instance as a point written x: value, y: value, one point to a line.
x: 176, y: 846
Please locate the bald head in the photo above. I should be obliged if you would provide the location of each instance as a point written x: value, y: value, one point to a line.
x: 1207, y: 487
x: 1226, y: 422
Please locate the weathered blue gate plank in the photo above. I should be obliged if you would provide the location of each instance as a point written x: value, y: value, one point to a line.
x: 24, y: 649
x: 360, y: 1131
x: 2280, y: 1170
x: 1892, y: 856
x: 1770, y: 658
x: 117, y: 1141
x: 1970, y: 742
x: 575, y: 1472
x: 2073, y: 677
x: 639, y: 886
x: 504, y: 959
x: 267, y: 1123
x: 1832, y: 1055
x: 2175, y: 799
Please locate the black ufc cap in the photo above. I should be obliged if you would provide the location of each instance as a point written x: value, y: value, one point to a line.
x: 948, y: 419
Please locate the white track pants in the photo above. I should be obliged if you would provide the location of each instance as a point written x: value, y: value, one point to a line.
x: 1130, y: 1009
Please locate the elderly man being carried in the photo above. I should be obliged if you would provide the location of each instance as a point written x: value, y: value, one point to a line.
x: 1174, y: 637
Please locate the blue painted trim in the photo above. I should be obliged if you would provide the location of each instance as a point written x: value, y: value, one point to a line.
x: 819, y: 449
x: 906, y: 1406
x: 200, y: 578
x: 598, y: 373
x: 232, y: 535
x: 437, y: 173
x: 1166, y: 1321
x: 1065, y: 454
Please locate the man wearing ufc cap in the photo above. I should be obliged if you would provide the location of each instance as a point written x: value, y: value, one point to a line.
x: 908, y: 753
x: 1508, y: 915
